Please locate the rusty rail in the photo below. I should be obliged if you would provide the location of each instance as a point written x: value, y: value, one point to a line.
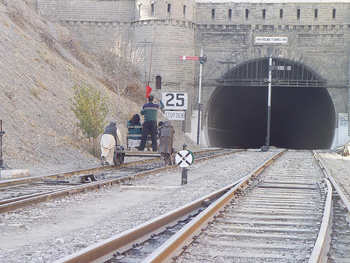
x: 104, y: 251
x: 171, y: 247
x: 10, y: 205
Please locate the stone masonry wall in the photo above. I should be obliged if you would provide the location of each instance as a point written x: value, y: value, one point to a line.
x: 99, y: 36
x: 320, y: 43
x: 318, y: 36
x: 87, y: 10
x: 272, y: 13
x: 167, y: 49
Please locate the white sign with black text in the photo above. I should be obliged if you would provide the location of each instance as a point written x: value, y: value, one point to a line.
x: 271, y: 40
x: 174, y: 101
x: 175, y: 115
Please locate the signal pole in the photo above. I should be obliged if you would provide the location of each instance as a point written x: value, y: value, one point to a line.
x: 267, y: 144
x: 199, y: 97
x: 202, y: 60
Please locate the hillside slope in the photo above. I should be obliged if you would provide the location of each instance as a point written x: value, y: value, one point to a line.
x: 40, y: 62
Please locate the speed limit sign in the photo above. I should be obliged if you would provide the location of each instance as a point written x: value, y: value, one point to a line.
x: 175, y: 101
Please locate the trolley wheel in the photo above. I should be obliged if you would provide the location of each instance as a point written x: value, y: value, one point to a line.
x: 119, y: 155
x: 115, y: 158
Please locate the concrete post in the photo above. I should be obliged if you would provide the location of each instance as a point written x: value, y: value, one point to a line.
x: 184, y: 170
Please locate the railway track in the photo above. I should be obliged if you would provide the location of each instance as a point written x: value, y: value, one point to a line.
x: 281, y: 212
x: 339, y: 247
x: 18, y: 193
x: 276, y: 219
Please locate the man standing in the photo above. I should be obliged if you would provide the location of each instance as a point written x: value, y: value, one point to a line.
x: 109, y: 140
x: 150, y: 111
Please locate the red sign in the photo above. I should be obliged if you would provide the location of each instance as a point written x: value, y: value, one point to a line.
x: 189, y: 58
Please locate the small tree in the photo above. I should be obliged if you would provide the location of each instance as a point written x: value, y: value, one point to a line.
x: 123, y: 63
x: 91, y: 109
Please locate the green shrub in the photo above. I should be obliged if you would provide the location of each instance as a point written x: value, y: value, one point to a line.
x: 91, y: 109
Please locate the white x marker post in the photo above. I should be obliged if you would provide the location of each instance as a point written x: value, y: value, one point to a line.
x: 184, y: 159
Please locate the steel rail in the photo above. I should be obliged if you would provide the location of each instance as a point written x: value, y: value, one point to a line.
x: 328, y: 175
x: 104, y: 251
x: 56, y: 176
x: 33, y: 199
x: 322, y: 246
x: 16, y: 199
x: 92, y: 170
x: 44, y: 197
x: 172, y: 246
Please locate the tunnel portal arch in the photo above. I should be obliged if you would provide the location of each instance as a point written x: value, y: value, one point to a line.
x: 302, y: 111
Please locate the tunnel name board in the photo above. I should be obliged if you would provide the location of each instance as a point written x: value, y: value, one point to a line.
x: 271, y: 40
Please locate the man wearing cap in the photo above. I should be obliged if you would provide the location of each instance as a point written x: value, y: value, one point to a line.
x: 110, y: 138
x: 150, y: 112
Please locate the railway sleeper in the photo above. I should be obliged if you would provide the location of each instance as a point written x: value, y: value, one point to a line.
x: 340, y: 237
x: 265, y: 236
x: 262, y: 245
x: 267, y: 223
x: 251, y: 252
x: 267, y: 257
x: 265, y: 230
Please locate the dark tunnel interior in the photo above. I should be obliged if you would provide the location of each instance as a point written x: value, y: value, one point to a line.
x: 301, y: 117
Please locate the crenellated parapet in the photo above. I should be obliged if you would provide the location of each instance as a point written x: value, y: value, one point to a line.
x: 165, y: 9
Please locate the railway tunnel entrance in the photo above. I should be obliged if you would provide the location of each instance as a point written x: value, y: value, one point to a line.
x: 302, y: 111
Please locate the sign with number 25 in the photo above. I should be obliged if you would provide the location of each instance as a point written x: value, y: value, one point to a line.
x: 174, y: 101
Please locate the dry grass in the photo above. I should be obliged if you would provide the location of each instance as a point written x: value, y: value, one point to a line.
x: 51, y: 133
x: 40, y: 83
x: 76, y: 50
x: 4, y: 22
x: 17, y: 17
x: 33, y: 124
x: 35, y: 92
x: 10, y: 92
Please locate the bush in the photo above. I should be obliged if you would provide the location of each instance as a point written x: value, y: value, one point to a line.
x: 91, y: 109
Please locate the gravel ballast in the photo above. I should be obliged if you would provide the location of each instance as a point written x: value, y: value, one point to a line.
x: 49, y: 231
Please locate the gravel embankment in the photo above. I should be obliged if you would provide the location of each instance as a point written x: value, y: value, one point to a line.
x: 340, y: 169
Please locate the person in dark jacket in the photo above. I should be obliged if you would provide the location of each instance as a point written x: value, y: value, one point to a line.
x: 109, y: 140
x: 166, y: 133
x: 150, y: 111
x: 135, y: 121
x: 160, y: 125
